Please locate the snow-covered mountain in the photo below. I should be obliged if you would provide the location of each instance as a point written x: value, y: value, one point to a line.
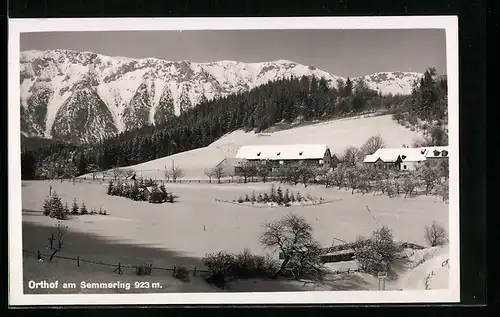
x: 84, y: 97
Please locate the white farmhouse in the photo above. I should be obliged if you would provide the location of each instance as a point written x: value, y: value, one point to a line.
x: 408, y: 159
x: 280, y: 154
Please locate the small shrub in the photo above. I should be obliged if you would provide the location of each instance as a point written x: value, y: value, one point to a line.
x: 260, y: 198
x: 104, y: 212
x: 286, y: 198
x: 272, y: 194
x: 83, y: 209
x: 247, y: 199
x: 66, y: 209
x: 292, y: 197
x: 240, y: 200
x: 143, y: 269
x: 299, y: 197
x: 110, y: 188
x: 435, y: 235
x: 219, y: 264
x: 377, y: 253
x: 247, y: 265
x: 181, y: 273
x: 253, y: 198
x: 74, y: 208
x: 171, y: 198
x: 53, y: 207
x: 279, y: 196
x: 266, y: 198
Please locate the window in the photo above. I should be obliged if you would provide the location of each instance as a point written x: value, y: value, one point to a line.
x: 300, y: 153
x: 404, y: 166
x: 258, y: 154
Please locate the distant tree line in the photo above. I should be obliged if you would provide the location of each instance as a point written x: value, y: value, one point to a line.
x: 287, y: 100
x: 426, y: 110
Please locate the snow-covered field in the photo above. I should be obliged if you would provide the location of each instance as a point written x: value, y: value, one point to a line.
x: 197, y: 224
x: 431, y: 266
x: 337, y: 134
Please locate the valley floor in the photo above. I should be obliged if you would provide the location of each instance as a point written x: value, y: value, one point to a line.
x: 167, y: 235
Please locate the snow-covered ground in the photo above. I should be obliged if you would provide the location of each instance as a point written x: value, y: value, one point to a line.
x: 337, y: 134
x: 197, y: 224
x: 432, y: 269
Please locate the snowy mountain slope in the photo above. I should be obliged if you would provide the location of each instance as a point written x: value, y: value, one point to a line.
x: 337, y: 134
x: 62, y: 90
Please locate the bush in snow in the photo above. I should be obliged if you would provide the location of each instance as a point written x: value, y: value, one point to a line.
x: 53, y: 207
x: 181, y: 273
x: 377, y: 253
x: 74, y: 208
x: 435, y: 235
x: 83, y: 209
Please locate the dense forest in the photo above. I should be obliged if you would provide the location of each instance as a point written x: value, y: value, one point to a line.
x: 288, y: 100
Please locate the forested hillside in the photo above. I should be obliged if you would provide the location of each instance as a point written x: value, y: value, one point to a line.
x: 288, y: 100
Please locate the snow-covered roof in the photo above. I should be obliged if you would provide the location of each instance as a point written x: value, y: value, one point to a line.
x: 391, y: 155
x: 282, y: 152
x: 436, y: 151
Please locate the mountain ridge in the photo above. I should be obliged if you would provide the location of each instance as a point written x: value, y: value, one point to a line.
x: 85, y: 96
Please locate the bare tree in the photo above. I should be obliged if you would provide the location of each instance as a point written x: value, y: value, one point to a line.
x: 435, y: 234
x: 58, y: 238
x: 218, y: 172
x: 209, y: 172
x: 326, y: 174
x: 351, y: 156
x: 409, y: 184
x: 421, y: 142
x: 306, y: 172
x: 372, y: 145
x: 353, y: 177
x: 430, y: 175
x: 292, y: 236
x: 263, y: 170
x: 176, y: 172
x: 116, y: 172
x: 94, y: 169
x: 166, y: 173
x: 376, y: 253
x: 247, y: 169
x: 338, y: 177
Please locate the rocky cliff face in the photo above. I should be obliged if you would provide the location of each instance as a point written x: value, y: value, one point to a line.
x: 84, y: 97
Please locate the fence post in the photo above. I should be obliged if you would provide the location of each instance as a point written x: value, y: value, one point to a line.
x: 77, y: 260
x: 194, y: 272
x: 51, y: 239
x: 38, y: 255
x: 173, y: 271
x: 119, y: 268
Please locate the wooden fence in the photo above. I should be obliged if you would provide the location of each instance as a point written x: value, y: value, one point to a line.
x: 163, y: 181
x: 118, y: 268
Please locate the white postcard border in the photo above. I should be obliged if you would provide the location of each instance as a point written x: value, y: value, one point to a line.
x: 18, y: 26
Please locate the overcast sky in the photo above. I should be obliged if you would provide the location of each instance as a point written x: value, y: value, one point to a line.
x: 339, y: 52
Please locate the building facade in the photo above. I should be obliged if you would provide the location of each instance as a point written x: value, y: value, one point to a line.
x: 276, y: 155
x: 405, y: 159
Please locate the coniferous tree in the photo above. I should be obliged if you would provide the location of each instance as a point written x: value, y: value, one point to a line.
x: 74, y: 208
